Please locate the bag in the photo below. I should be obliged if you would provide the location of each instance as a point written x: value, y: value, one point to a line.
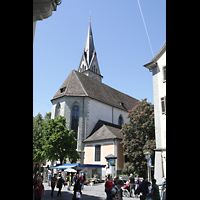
x: 78, y: 195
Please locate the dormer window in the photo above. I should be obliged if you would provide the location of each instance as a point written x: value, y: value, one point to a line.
x: 121, y: 103
x: 62, y: 89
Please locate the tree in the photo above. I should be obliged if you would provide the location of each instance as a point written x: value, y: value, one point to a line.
x: 38, y: 124
x: 58, y: 142
x: 139, y: 137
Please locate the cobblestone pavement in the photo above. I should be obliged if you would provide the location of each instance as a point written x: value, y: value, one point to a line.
x: 95, y: 192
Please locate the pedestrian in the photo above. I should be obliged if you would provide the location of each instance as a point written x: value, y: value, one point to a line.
x: 59, y: 186
x: 108, y: 187
x: 53, y: 183
x: 116, y: 178
x: 144, y: 188
x: 132, y: 184
x: 137, y: 184
x: 35, y: 178
x: 82, y: 180
x: 77, y: 190
x: 117, y: 191
x: 154, y: 191
x: 74, y: 178
x: 69, y: 181
x: 38, y: 188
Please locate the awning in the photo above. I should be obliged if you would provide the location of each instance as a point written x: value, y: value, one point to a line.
x: 64, y: 166
x: 68, y: 166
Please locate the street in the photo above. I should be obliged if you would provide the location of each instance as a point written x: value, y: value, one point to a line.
x: 95, y: 192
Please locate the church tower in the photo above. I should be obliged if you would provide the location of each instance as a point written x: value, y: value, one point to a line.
x: 89, y: 63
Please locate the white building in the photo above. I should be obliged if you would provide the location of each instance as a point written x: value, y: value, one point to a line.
x: 158, y: 68
x: 92, y: 109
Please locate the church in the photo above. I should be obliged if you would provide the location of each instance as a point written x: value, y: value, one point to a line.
x: 93, y: 110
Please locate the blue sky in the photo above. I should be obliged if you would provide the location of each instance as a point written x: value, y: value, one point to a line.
x: 120, y: 41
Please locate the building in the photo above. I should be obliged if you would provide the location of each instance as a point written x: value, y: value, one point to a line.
x: 92, y: 109
x: 158, y: 68
x: 42, y: 9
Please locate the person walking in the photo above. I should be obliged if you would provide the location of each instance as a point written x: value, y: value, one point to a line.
x: 154, y: 191
x: 144, y: 188
x: 77, y: 190
x: 132, y: 184
x: 82, y: 180
x: 38, y: 188
x: 108, y: 187
x: 74, y: 178
x: 137, y: 184
x: 53, y: 183
x: 59, y: 186
x: 69, y: 181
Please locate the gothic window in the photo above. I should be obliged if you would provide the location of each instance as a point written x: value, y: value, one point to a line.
x: 75, y: 116
x: 57, y: 111
x: 120, y: 120
x: 98, y: 153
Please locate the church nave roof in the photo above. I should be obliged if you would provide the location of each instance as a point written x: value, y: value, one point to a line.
x: 78, y: 84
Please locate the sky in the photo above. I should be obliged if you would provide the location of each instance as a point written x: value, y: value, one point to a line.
x: 120, y: 40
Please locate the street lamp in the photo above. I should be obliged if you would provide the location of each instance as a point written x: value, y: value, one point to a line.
x: 147, y: 156
x: 111, y: 159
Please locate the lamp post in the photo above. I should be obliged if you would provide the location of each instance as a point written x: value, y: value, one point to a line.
x: 147, y: 156
x: 111, y: 159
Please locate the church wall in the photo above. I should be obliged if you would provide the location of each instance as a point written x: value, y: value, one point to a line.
x: 62, y: 107
x: 67, y: 104
x: 116, y: 113
x: 98, y: 111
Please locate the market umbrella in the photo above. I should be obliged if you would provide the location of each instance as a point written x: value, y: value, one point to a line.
x: 70, y: 170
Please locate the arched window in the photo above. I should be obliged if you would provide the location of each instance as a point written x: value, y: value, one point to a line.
x: 57, y: 111
x: 75, y: 116
x: 120, y: 120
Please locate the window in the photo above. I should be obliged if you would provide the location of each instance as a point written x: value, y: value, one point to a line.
x: 75, y: 116
x: 164, y: 73
x: 57, y: 111
x: 62, y: 89
x: 163, y: 105
x: 120, y: 120
x: 98, y: 153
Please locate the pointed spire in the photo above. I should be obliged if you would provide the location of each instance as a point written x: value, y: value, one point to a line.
x: 89, y: 45
x: 89, y: 63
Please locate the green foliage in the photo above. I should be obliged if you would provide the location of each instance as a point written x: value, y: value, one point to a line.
x: 52, y: 140
x: 38, y: 123
x: 139, y: 137
x: 59, y: 143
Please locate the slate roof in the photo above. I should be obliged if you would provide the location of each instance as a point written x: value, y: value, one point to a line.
x: 104, y: 131
x: 78, y: 84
